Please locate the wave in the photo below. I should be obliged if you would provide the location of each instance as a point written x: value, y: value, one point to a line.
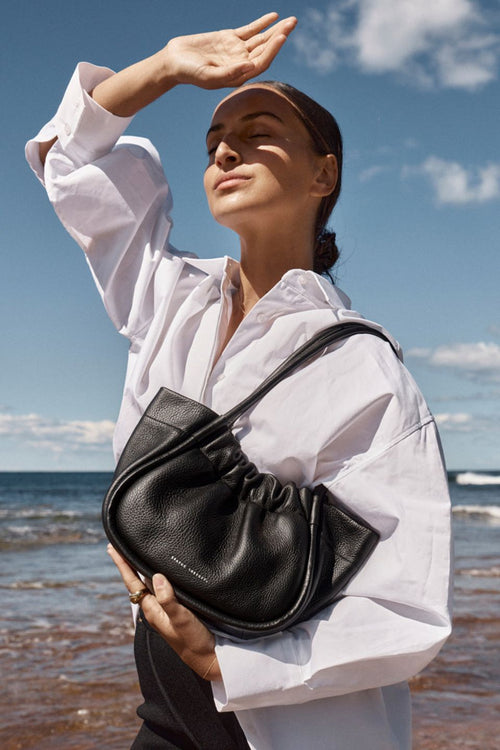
x: 24, y: 536
x: 489, y: 511
x: 39, y: 585
x: 493, y: 572
x: 471, y: 477
x: 52, y: 513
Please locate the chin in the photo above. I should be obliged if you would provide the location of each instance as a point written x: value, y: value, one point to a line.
x: 237, y: 214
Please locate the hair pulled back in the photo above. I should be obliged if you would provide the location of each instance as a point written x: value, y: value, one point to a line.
x: 326, y: 139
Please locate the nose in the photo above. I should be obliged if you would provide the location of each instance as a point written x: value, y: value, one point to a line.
x: 226, y: 154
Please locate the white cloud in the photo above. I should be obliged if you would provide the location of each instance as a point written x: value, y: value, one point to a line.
x: 460, y: 422
x: 411, y: 143
x: 477, y: 361
x: 443, y: 43
x: 455, y: 185
x: 370, y: 172
x: 463, y: 422
x: 57, y: 435
x: 311, y: 47
x: 481, y: 395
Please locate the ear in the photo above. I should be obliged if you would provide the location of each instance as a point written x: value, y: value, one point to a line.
x: 326, y: 176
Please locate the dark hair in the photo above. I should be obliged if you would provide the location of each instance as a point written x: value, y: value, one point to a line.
x: 326, y: 139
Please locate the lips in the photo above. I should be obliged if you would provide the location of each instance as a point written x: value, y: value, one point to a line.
x: 229, y: 180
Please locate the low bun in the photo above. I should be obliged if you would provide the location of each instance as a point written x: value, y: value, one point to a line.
x: 326, y: 252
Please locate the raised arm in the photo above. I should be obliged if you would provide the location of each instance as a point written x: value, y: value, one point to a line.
x: 213, y: 60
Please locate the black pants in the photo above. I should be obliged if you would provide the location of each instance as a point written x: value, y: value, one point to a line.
x: 178, y: 710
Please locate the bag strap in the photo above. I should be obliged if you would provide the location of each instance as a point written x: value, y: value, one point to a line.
x: 306, y: 352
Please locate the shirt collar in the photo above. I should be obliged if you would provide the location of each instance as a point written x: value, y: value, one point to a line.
x: 306, y: 285
x: 316, y: 288
x: 320, y: 292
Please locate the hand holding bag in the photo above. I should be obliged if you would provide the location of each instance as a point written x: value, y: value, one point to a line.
x: 249, y: 555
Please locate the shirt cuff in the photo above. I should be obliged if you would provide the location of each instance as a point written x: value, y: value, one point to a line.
x: 250, y: 676
x: 85, y: 130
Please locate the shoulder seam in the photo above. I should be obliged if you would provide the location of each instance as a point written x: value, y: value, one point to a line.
x: 373, y: 457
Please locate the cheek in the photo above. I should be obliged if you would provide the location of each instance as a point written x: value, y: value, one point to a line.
x: 207, y: 183
x: 290, y: 170
x: 206, y: 180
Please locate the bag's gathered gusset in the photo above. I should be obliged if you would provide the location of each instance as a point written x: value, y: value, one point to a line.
x: 248, y: 554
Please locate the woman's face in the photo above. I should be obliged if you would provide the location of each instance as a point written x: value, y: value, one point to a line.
x: 262, y: 166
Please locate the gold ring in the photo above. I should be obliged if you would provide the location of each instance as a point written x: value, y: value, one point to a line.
x: 138, y: 596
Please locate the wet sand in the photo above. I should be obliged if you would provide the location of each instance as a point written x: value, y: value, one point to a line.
x: 66, y: 659
x: 456, y: 699
x: 81, y: 693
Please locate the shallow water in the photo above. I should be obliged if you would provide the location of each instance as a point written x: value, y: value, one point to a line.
x: 66, y: 636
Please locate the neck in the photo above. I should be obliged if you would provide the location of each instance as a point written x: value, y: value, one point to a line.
x: 265, y: 260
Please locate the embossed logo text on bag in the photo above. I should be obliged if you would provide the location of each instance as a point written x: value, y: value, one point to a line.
x: 189, y: 570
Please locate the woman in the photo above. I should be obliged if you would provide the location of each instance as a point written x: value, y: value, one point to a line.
x: 213, y: 329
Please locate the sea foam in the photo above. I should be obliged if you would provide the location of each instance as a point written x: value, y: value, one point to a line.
x: 492, y: 511
x: 470, y: 477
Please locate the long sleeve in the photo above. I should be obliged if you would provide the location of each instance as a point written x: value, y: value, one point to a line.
x: 111, y: 194
x: 394, y: 616
x: 354, y: 422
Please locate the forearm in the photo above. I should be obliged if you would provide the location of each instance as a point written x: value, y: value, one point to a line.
x: 395, y: 613
x: 130, y: 90
x: 133, y: 88
x: 213, y: 60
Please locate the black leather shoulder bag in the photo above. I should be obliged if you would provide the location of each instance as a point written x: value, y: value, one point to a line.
x: 249, y: 555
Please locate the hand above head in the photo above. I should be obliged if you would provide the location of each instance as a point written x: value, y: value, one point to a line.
x: 184, y: 632
x: 213, y: 60
x: 230, y: 57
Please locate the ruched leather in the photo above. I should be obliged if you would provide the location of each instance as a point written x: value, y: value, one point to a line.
x: 248, y: 554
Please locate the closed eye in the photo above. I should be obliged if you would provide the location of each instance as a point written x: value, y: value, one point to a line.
x: 212, y: 148
x: 215, y: 146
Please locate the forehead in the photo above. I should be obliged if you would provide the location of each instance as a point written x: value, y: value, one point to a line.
x: 255, y: 99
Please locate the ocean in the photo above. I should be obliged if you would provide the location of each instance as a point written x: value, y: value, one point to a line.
x: 68, y: 677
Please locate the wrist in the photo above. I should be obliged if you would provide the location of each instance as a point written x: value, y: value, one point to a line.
x: 167, y: 68
x: 212, y: 671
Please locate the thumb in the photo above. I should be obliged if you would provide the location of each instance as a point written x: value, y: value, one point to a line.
x: 165, y: 594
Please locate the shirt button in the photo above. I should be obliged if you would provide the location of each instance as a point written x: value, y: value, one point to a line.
x: 261, y: 318
x: 302, y: 279
x: 67, y: 128
x: 220, y: 377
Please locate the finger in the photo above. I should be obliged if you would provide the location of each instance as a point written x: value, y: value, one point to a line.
x: 165, y: 595
x: 164, y: 612
x: 283, y: 27
x: 128, y: 574
x: 245, y: 32
x: 158, y: 618
x: 262, y: 58
x: 164, y: 591
x: 258, y: 40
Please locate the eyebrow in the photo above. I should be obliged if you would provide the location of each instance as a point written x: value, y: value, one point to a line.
x: 245, y: 118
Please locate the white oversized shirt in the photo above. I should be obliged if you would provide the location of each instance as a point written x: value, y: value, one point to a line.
x: 353, y: 419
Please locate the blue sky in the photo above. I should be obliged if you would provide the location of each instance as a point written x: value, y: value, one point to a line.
x: 415, y: 87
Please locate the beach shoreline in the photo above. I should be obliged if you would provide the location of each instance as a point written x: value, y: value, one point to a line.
x: 88, y: 697
x: 73, y: 713
x: 66, y: 636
